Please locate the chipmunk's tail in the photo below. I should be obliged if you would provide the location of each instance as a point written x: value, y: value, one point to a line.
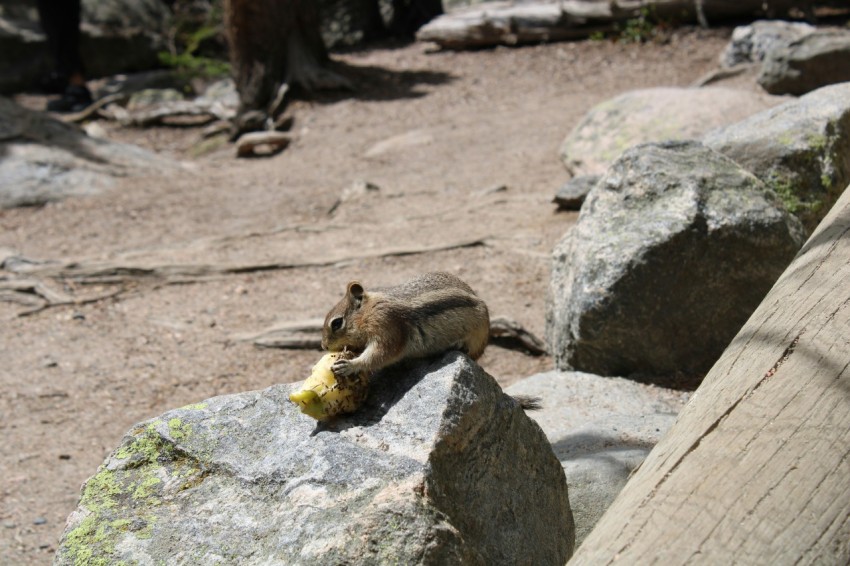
x: 528, y: 403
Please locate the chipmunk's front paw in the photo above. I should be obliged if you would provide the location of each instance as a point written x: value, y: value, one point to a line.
x: 344, y: 368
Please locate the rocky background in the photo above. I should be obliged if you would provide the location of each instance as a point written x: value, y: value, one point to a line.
x: 142, y: 270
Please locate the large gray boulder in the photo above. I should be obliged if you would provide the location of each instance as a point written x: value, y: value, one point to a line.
x: 601, y: 429
x: 674, y: 248
x: 800, y: 149
x: 651, y: 115
x: 753, y: 42
x: 813, y: 61
x: 794, y: 57
x: 45, y: 159
x: 116, y: 36
x: 152, y: 15
x: 439, y: 467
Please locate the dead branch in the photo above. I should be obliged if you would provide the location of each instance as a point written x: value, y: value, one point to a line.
x: 295, y: 335
x: 38, y: 295
x: 510, y: 334
x: 75, y: 302
x: 129, y: 269
x: 95, y: 108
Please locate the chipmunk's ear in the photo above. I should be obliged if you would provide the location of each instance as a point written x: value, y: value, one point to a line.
x: 355, y: 291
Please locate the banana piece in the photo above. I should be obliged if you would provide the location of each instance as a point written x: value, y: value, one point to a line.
x: 322, y: 396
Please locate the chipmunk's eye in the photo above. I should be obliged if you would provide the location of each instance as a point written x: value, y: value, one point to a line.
x: 336, y: 323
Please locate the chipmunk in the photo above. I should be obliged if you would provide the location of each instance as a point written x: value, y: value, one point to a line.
x: 428, y: 315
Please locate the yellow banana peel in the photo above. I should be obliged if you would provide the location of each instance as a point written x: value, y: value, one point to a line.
x: 322, y: 396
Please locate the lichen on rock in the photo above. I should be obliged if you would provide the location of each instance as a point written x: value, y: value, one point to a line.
x: 438, y: 466
x: 118, y: 501
x: 800, y: 149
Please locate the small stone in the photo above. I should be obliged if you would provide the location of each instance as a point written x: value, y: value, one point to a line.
x: 360, y: 187
x: 78, y: 316
x: 64, y: 456
x: 572, y: 194
x: 9, y: 525
x: 96, y: 130
x: 39, y: 521
x: 495, y: 189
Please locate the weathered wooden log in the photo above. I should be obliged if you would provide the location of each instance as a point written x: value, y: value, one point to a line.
x: 518, y: 22
x: 756, y: 469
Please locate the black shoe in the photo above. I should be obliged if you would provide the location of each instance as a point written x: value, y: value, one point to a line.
x: 51, y: 83
x: 74, y: 99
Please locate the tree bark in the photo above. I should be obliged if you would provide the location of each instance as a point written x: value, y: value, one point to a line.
x: 757, y: 467
x: 273, y: 43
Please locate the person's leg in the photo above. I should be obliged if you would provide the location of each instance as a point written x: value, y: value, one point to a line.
x: 50, y: 19
x: 68, y: 37
x: 61, y: 22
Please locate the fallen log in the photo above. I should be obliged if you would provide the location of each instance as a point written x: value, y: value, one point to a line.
x: 520, y: 22
x: 756, y: 468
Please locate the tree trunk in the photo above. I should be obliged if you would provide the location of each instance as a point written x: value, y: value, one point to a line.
x: 274, y: 43
x: 757, y: 467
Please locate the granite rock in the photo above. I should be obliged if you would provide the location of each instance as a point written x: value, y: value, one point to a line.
x: 438, y: 467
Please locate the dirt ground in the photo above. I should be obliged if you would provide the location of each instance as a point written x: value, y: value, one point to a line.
x: 470, y: 155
